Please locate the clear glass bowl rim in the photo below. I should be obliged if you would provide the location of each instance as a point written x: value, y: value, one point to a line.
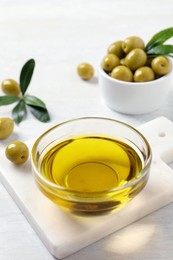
x: 143, y: 172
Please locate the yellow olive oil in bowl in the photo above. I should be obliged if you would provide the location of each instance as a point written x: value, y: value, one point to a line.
x: 89, y: 167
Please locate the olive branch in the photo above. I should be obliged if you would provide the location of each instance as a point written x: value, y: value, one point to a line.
x: 156, y: 45
x: 35, y: 105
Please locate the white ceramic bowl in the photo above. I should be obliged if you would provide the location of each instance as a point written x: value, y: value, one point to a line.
x: 132, y: 97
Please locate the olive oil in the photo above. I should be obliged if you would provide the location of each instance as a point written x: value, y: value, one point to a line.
x: 91, y: 174
x: 91, y: 164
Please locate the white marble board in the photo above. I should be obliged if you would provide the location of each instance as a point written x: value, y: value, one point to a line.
x: 64, y: 233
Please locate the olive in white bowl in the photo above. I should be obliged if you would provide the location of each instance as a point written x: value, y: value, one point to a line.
x: 134, y: 97
x: 135, y: 77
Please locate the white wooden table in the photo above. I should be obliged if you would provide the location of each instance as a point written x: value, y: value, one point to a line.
x: 59, y: 35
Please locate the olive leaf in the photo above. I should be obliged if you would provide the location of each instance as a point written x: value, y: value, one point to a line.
x: 26, y: 75
x: 159, y: 38
x: 35, y: 105
x: 40, y: 113
x: 19, y: 112
x: 8, y: 99
x: 34, y: 101
x: 161, y: 50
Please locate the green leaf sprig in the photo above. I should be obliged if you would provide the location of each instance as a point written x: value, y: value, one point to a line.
x: 35, y: 105
x: 156, y: 45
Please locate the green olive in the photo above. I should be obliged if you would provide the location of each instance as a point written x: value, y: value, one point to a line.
x: 135, y: 59
x: 122, y: 73
x: 17, y: 152
x: 161, y: 65
x: 116, y: 48
x: 85, y: 71
x: 10, y: 87
x: 6, y: 127
x: 109, y: 62
x: 131, y: 43
x: 144, y: 74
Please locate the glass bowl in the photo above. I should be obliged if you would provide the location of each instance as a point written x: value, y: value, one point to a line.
x: 91, y: 164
